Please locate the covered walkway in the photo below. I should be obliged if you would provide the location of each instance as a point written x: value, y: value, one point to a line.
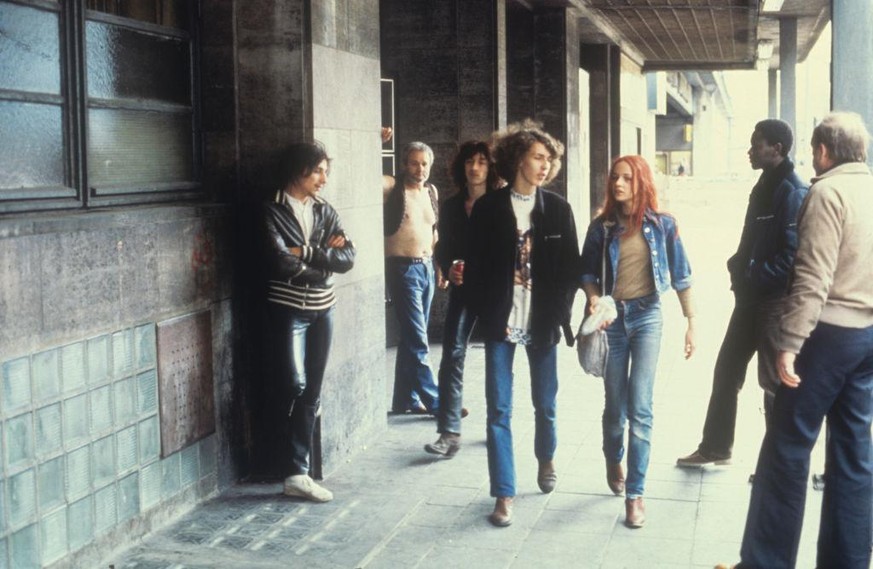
x: 397, y: 507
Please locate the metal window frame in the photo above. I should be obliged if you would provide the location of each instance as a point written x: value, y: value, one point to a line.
x: 77, y: 193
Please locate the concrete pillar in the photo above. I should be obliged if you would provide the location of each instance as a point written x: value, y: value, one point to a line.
x: 773, y: 93
x: 446, y: 70
x: 602, y: 62
x: 500, y: 63
x: 556, y: 87
x: 519, y: 62
x: 270, y: 56
x: 788, y: 72
x: 852, y: 81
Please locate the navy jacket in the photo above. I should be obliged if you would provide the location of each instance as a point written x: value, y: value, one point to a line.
x: 762, y: 264
x: 489, y: 271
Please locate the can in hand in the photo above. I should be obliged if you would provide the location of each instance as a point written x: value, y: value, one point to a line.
x: 458, y: 270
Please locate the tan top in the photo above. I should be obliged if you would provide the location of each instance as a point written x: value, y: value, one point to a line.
x: 833, y: 269
x: 416, y: 235
x: 634, y: 278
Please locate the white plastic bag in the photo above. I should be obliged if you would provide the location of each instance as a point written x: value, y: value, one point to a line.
x: 592, y: 346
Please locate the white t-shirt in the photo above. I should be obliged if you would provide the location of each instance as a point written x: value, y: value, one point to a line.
x: 518, y: 325
x: 303, y: 212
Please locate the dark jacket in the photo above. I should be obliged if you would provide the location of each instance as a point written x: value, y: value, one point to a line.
x: 310, y: 274
x: 489, y: 272
x: 453, y: 223
x: 762, y: 264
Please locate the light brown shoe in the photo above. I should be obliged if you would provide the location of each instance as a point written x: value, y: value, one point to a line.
x: 615, y: 478
x: 546, y: 476
x: 502, y: 514
x: 724, y: 566
x: 636, y: 512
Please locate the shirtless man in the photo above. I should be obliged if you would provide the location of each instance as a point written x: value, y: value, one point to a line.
x: 410, y: 215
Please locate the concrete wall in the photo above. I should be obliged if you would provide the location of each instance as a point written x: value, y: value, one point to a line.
x: 637, y: 123
x: 81, y: 297
x: 80, y: 464
x: 81, y: 469
x: 713, y: 137
x: 346, y: 118
x: 443, y: 60
x: 671, y: 134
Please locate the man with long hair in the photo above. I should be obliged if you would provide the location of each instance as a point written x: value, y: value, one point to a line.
x: 305, y: 245
x: 473, y: 173
x: 521, y: 276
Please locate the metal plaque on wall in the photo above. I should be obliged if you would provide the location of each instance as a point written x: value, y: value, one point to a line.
x: 185, y: 380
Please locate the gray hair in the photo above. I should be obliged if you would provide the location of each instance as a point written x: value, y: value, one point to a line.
x: 416, y: 147
x: 844, y: 135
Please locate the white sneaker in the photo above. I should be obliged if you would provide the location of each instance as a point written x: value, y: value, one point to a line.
x: 302, y: 486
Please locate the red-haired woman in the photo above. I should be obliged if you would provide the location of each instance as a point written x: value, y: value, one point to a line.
x: 644, y: 258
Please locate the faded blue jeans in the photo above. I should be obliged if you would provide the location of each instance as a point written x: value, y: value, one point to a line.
x: 456, y: 334
x: 543, y: 363
x: 412, y: 287
x: 634, y: 345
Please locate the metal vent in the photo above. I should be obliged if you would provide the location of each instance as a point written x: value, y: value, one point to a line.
x: 185, y: 381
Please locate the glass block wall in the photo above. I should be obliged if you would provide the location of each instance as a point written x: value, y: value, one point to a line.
x: 80, y: 446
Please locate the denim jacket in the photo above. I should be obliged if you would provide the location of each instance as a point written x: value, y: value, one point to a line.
x: 669, y: 262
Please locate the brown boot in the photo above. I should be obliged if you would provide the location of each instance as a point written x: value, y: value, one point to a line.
x: 546, y: 476
x: 636, y: 512
x: 615, y: 478
x: 502, y: 514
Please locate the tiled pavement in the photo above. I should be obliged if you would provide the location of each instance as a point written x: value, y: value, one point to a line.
x: 397, y: 507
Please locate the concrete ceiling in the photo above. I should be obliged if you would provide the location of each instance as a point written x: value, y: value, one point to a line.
x: 697, y: 34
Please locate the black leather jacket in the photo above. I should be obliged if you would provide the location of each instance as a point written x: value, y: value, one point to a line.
x: 489, y: 272
x: 762, y: 264
x: 317, y: 264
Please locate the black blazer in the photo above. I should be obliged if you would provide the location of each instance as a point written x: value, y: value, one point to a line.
x: 489, y: 272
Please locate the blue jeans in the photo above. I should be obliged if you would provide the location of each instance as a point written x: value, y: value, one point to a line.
x: 412, y: 286
x: 498, y: 396
x: 634, y: 344
x: 836, y: 370
x: 301, y: 343
x: 456, y: 334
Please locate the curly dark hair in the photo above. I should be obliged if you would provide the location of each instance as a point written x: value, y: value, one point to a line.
x: 468, y: 150
x: 300, y: 159
x: 510, y: 146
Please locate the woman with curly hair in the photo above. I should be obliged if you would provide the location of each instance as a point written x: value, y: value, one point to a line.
x: 521, y: 276
x: 644, y: 258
